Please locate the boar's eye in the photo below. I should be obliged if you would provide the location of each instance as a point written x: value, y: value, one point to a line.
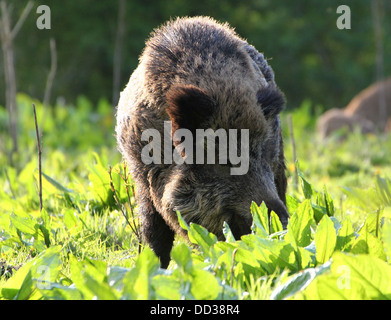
x: 272, y: 101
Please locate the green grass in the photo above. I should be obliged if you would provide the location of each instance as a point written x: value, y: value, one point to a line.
x: 83, y: 245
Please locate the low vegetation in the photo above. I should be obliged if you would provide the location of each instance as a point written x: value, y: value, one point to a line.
x: 85, y: 244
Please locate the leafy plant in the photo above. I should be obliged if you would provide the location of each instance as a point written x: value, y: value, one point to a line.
x: 85, y: 243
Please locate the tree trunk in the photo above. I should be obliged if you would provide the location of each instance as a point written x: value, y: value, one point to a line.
x: 7, y: 36
x: 52, y: 73
x: 377, y: 16
x: 118, y: 51
x: 10, y: 78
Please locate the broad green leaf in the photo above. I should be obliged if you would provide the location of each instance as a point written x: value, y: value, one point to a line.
x: 229, y: 237
x: 221, y: 254
x: 204, y: 286
x: 346, y: 236
x: 383, y: 188
x: 27, y: 289
x: 291, y: 204
x: 200, y: 236
x: 260, y: 220
x: 56, y: 184
x: 81, y: 269
x: 182, y: 222
x: 246, y: 256
x: 298, y: 282
x: 29, y: 226
x: 25, y: 225
x: 38, y: 272
x: 319, y: 212
x: 101, y: 290
x: 369, y: 244
x: 57, y: 291
x: 352, y: 278
x: 325, y: 240
x: 387, y: 237
x: 138, y: 281
x: 328, y: 203
x: 292, y: 240
x: 166, y: 287
x: 11, y: 288
x: 304, y: 256
x: 181, y: 254
x: 272, y: 254
x: 306, y: 186
x: 51, y: 259
x: 372, y: 223
x: 299, y: 226
x: 70, y: 219
x: 115, y: 275
x: 275, y: 223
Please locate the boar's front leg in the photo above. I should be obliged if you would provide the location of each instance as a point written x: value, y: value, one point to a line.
x: 156, y: 232
x: 279, y: 174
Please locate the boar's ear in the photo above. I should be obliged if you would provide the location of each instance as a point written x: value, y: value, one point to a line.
x: 188, y: 106
x: 272, y: 101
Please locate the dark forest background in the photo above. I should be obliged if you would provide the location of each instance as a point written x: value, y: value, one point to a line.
x: 311, y: 57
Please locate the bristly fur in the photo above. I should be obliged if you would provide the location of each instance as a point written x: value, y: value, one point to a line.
x: 272, y: 101
x: 188, y: 107
x: 201, y: 74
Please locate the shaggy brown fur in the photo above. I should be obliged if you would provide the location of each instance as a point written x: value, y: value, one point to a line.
x: 199, y: 74
x: 336, y: 119
x: 368, y: 104
x: 370, y: 111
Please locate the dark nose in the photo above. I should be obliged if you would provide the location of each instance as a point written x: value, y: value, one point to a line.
x: 279, y: 208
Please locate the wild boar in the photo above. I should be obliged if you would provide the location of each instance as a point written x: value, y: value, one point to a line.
x: 369, y: 111
x: 197, y: 75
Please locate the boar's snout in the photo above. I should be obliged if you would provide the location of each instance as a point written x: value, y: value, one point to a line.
x: 279, y: 208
